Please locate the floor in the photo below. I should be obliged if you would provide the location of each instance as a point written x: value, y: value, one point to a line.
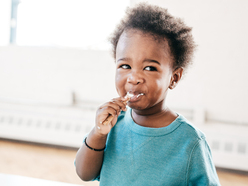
x: 56, y: 164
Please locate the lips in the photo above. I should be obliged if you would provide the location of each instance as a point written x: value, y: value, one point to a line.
x: 135, y: 96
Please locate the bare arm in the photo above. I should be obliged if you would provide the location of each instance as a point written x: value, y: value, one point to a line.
x: 88, y: 161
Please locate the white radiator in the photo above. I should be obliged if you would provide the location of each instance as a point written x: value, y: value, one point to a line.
x: 229, y: 145
x: 66, y: 126
x: 63, y: 126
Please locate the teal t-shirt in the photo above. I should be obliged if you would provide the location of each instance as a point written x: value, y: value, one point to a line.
x: 174, y: 155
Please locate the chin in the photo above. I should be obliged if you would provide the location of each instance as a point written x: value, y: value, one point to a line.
x: 137, y: 106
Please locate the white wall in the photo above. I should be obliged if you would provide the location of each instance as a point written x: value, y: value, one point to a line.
x: 218, y: 79
x: 217, y: 82
x: 51, y: 75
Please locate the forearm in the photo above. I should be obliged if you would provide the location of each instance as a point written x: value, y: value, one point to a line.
x: 88, y: 161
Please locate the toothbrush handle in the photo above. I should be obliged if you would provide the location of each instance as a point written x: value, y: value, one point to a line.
x: 110, y: 117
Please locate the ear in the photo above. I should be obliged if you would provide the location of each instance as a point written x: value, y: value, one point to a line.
x: 176, y: 77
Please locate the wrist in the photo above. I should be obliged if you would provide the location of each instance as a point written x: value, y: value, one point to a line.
x: 91, y: 148
x: 96, y: 140
x: 97, y: 133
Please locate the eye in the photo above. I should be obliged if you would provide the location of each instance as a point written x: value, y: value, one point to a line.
x: 125, y: 66
x: 150, y: 68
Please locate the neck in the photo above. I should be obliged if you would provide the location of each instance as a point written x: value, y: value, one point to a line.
x: 155, y: 117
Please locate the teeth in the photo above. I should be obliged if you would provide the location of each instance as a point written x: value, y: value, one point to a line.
x: 141, y: 94
x: 130, y: 95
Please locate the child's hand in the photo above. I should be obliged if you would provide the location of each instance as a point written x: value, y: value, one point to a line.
x: 113, y: 108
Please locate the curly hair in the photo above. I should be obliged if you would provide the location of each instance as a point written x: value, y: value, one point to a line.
x: 158, y: 22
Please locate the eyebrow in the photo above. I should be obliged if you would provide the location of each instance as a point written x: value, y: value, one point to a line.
x: 123, y: 59
x: 146, y: 60
x: 151, y: 61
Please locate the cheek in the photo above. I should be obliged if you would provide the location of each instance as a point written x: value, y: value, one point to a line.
x: 157, y: 86
x: 120, y: 83
x: 160, y: 86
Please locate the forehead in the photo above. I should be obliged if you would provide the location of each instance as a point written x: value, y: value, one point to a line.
x: 134, y: 42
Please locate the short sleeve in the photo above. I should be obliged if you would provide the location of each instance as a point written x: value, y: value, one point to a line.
x: 201, y: 169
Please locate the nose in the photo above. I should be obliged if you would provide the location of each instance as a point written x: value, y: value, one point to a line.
x: 135, y: 78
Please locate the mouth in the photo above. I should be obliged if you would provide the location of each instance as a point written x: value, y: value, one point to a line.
x: 134, y: 96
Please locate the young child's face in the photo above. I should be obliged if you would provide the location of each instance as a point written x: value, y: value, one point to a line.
x: 143, y: 68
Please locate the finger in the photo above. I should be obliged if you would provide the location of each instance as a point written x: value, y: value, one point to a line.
x: 111, y: 105
x: 115, y: 104
x: 106, y: 112
x: 121, y: 104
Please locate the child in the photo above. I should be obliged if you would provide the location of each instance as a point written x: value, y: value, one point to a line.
x: 147, y: 143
